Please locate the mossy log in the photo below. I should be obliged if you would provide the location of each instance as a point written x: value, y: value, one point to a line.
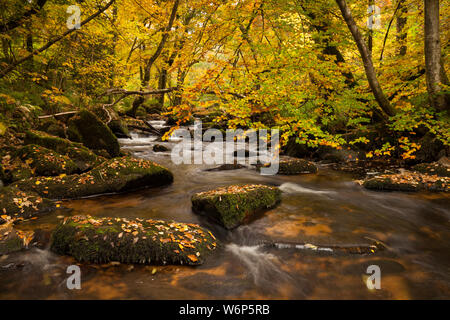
x: 102, y: 240
x: 46, y: 162
x: 114, y: 175
x: 87, y: 128
x: 237, y: 204
x: 84, y: 158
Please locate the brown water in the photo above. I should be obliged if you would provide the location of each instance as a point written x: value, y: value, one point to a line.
x: 323, y: 209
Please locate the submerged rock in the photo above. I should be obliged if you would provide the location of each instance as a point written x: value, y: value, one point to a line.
x: 408, y: 181
x: 234, y: 205
x: 226, y: 167
x: 18, y: 204
x: 46, y: 162
x: 103, y: 240
x: 115, y: 175
x: 84, y: 158
x: 87, y: 128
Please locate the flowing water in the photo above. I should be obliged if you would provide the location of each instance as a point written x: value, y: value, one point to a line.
x: 324, y: 210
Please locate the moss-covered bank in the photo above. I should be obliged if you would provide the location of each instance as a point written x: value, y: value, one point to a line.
x: 237, y: 204
x: 114, y: 175
x: 102, y: 240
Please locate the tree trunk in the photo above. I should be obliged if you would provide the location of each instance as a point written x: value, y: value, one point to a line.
x: 383, y: 102
x: 401, y: 30
x: 435, y: 73
x: 370, y: 33
x: 148, y: 66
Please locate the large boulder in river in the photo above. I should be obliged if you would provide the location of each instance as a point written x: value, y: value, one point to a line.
x: 236, y: 204
x: 408, y: 181
x: 87, y: 128
x: 115, y: 175
x: 113, y: 121
x: 46, y: 162
x: 100, y: 240
x: 84, y: 158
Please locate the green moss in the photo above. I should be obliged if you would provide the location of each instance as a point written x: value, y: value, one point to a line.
x: 46, y: 162
x: 234, y: 205
x: 386, y: 184
x: 115, y: 175
x: 93, y: 133
x: 102, y: 240
x: 21, y: 204
x: 433, y: 169
x: 83, y: 158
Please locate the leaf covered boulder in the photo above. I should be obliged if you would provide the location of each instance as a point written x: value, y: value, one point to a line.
x: 16, y: 204
x: 46, y: 162
x: 433, y: 168
x: 84, y: 158
x: 87, y: 128
x: 236, y: 204
x: 115, y: 175
x: 408, y: 181
x: 100, y: 240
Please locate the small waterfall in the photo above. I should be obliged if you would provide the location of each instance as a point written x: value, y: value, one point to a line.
x: 262, y: 266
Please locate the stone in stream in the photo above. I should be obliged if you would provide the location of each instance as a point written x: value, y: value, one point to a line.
x: 294, y: 166
x: 101, y: 240
x: 115, y: 175
x: 18, y: 204
x: 160, y: 148
x: 236, y: 204
x: 408, y: 181
x: 84, y: 158
x: 87, y: 128
x: 46, y: 162
x: 434, y: 168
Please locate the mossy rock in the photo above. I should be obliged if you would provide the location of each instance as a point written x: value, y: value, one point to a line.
x: 101, y: 240
x: 18, y: 204
x: 408, y: 182
x: 10, y: 242
x: 115, y: 175
x: 46, y: 162
x: 113, y: 121
x: 160, y: 148
x: 293, y: 166
x: 433, y: 168
x: 87, y: 128
x: 84, y: 158
x: 18, y: 171
x: 52, y: 127
x: 236, y: 204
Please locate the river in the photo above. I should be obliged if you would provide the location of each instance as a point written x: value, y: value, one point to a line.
x: 324, y: 209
